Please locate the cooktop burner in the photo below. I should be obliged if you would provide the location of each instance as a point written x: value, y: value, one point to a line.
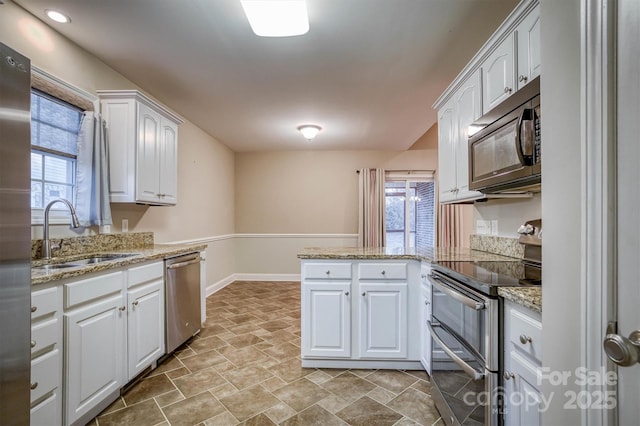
x: 487, y: 276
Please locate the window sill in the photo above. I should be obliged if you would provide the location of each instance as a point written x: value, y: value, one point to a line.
x: 56, y: 217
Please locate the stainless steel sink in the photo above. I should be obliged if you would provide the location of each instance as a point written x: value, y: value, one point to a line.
x: 53, y: 266
x: 99, y: 258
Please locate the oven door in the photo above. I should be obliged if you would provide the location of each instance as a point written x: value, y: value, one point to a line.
x: 464, y: 391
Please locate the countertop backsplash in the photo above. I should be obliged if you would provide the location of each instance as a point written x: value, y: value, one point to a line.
x: 71, y: 246
x: 504, y: 246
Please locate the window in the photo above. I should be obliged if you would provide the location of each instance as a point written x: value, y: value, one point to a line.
x: 409, y: 215
x: 54, y: 148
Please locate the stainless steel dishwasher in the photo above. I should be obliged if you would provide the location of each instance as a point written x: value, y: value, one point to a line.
x: 182, y: 299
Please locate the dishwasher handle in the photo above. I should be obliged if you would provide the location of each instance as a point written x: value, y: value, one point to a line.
x: 186, y: 263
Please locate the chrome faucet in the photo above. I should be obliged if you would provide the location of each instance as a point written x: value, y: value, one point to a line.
x: 75, y: 223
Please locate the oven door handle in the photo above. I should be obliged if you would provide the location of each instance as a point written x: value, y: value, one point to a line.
x: 472, y: 372
x: 473, y: 304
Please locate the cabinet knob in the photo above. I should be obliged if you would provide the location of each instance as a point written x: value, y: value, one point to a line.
x: 523, y: 78
x: 328, y: 272
x: 34, y: 385
x: 383, y: 272
x: 507, y: 90
x: 426, y: 302
x: 34, y: 308
x: 508, y: 375
x: 423, y: 276
x: 122, y: 308
x: 33, y: 344
x: 135, y: 303
x: 524, y: 339
x: 346, y: 293
x: 364, y: 293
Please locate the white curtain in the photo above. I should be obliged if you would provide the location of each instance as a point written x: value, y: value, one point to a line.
x: 371, y: 208
x: 92, y: 172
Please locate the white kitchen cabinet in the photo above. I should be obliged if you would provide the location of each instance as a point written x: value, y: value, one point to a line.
x: 523, y: 355
x: 358, y: 314
x: 46, y: 356
x: 145, y: 317
x: 326, y: 323
x: 425, y: 316
x: 383, y: 319
x: 454, y: 119
x: 498, y: 70
x: 95, y: 343
x: 143, y: 148
x: 528, y: 47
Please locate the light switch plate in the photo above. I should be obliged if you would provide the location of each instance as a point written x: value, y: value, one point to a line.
x: 125, y: 225
x: 494, y: 227
x: 483, y: 227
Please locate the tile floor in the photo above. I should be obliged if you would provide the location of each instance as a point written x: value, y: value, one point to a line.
x: 244, y: 368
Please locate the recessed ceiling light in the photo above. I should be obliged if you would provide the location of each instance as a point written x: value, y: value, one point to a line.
x: 277, y: 18
x: 57, y: 16
x: 309, y: 131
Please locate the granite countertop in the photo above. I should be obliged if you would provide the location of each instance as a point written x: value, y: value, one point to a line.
x: 142, y: 254
x: 529, y: 297
x: 437, y: 254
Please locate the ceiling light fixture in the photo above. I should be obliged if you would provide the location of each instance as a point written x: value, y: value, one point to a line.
x: 277, y: 18
x: 309, y: 131
x: 57, y: 16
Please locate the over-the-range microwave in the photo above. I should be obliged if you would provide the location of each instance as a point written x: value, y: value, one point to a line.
x: 504, y: 151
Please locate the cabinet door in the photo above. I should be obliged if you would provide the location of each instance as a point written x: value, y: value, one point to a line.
x: 147, y: 161
x: 145, y: 326
x: 528, y: 42
x: 522, y: 396
x: 425, y: 335
x: 168, y: 157
x: 326, y: 319
x: 446, y: 154
x: 467, y: 104
x: 383, y: 320
x: 497, y: 75
x: 94, y: 355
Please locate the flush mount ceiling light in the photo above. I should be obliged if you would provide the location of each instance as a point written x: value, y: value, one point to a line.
x: 309, y: 131
x: 277, y: 18
x: 57, y: 16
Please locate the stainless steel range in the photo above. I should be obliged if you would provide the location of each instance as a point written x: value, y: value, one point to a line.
x: 466, y: 330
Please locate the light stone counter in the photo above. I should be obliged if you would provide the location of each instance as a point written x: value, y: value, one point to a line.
x: 529, y: 297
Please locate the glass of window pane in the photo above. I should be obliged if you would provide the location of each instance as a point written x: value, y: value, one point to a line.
x: 395, y: 211
x: 36, y: 166
x: 36, y: 195
x: 58, y: 169
x: 53, y: 191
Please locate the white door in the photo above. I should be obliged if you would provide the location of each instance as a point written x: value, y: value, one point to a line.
x: 528, y: 42
x: 147, y: 162
x: 145, y: 326
x: 326, y: 319
x: 168, y: 157
x: 446, y: 153
x: 383, y: 320
x: 628, y: 202
x: 468, y: 109
x: 497, y: 75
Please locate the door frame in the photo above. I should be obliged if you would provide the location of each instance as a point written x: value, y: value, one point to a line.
x: 598, y: 153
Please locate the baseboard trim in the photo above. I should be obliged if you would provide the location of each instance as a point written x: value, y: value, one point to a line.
x: 362, y: 364
x: 217, y: 286
x: 267, y: 277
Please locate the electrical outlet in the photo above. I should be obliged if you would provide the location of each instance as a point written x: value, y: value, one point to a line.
x: 483, y: 227
x: 125, y: 225
x: 494, y: 227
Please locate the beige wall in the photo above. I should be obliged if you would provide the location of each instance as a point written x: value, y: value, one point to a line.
x: 311, y: 192
x: 510, y: 213
x: 205, y: 168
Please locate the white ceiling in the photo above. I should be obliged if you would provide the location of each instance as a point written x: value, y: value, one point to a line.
x: 368, y: 71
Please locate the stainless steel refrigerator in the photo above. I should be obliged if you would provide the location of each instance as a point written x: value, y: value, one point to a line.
x: 15, y: 237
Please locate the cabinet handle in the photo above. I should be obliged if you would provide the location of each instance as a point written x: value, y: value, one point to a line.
x: 328, y: 272
x: 523, y: 78
x: 346, y: 293
x: 508, y: 375
x: 135, y: 303
x: 383, y: 272
x: 34, y: 308
x: 364, y: 293
x: 524, y: 339
x: 34, y: 385
x: 122, y: 308
x: 33, y: 344
x: 507, y: 90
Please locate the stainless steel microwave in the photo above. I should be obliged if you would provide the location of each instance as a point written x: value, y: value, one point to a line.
x: 505, y: 150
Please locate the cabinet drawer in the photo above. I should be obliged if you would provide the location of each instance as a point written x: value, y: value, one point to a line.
x: 44, y: 335
x: 44, y: 302
x: 526, y: 334
x: 47, y: 412
x: 45, y: 373
x: 92, y: 288
x: 382, y: 271
x: 338, y: 271
x: 145, y: 273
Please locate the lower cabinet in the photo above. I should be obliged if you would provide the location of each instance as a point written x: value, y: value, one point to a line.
x: 360, y: 312
x: 522, y: 363
x: 425, y: 316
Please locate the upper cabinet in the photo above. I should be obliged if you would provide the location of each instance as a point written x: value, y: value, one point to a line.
x: 143, y: 148
x: 505, y: 64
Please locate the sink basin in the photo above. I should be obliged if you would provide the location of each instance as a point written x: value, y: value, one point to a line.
x: 53, y: 266
x: 100, y: 258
